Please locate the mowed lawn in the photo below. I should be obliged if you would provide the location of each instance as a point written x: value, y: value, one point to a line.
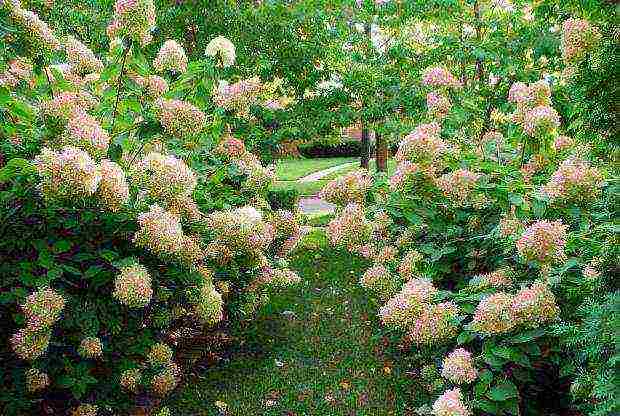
x: 315, y: 350
x: 289, y: 170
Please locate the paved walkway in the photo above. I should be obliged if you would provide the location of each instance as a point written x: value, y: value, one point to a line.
x: 325, y: 172
x: 315, y: 205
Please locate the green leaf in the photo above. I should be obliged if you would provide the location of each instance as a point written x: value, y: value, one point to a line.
x: 527, y: 336
x: 62, y: 246
x: 503, y: 391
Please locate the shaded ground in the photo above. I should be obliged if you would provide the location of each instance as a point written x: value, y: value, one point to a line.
x: 314, y: 205
x: 316, y: 350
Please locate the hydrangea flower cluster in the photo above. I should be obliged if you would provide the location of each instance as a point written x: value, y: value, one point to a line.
x: 231, y: 148
x: 458, y: 185
x: 379, y: 280
x: 436, y: 324
x: 279, y: 277
x: 161, y: 233
x: 113, y: 192
x: 68, y: 174
x: 439, y: 76
x: 165, y: 177
x: 402, y: 310
x: 409, y: 264
x: 534, y: 112
x: 497, y: 279
x: 222, y: 48
x: 171, y: 57
x: 180, y: 118
x: 575, y: 181
x: 258, y: 177
x: 159, y: 354
x: 562, y: 143
x: 90, y: 347
x: 350, y: 229
x: 438, y: 105
x: 238, y: 97
x: 348, y: 188
x: 423, y: 145
x: 81, y: 58
x: 85, y: 410
x: 36, y: 380
x: 134, y: 18
x: 209, y: 307
x: 410, y: 175
x: 166, y: 380
x: 578, y: 38
x: 540, y: 120
x: 544, y: 242
x: 19, y: 70
x: 450, y: 403
x: 458, y: 367
x: 241, y: 230
x: 36, y: 29
x: 84, y: 132
x: 29, y: 344
x: 66, y: 105
x: 154, y: 85
x: 132, y: 287
x: 502, y: 312
x: 43, y: 308
x: 130, y: 379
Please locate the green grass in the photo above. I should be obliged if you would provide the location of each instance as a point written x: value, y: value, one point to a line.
x: 312, y: 188
x: 334, y: 360
x: 293, y: 169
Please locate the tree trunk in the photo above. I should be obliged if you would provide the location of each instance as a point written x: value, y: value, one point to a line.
x: 382, y: 152
x: 365, y: 154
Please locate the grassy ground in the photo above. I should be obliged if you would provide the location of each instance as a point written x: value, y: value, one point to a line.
x: 330, y: 359
x: 293, y: 169
x: 312, y: 188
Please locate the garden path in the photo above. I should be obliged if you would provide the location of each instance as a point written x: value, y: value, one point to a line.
x: 315, y: 176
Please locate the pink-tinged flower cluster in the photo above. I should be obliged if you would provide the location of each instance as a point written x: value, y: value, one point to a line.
x: 278, y: 277
x: 450, y: 403
x: 223, y: 49
x: 132, y: 287
x: 258, y: 177
x: 562, y: 143
x: 66, y: 105
x: 242, y: 230
x: 411, y: 176
x: 458, y: 185
x: 231, y: 148
x: 29, y: 344
x: 19, y: 70
x: 81, y: 58
x: 113, y: 192
x: 130, y: 379
x: 544, y: 242
x: 43, y: 308
x: 534, y: 305
x: 540, y: 93
x: 436, y: 324
x: 36, y: 380
x: 438, y: 105
x: 574, y: 181
x: 90, y: 347
x: 34, y: 28
x: 519, y: 93
x: 385, y: 255
x: 590, y: 273
x: 166, y: 380
x: 501, y: 312
x: 171, y: 57
x: 85, y: 410
x: 67, y: 175
x: 350, y: 229
x: 161, y: 233
x: 493, y: 314
x: 439, y: 76
x: 423, y: 145
x: 348, y: 188
x: 84, y: 132
x: 238, y: 97
x: 180, y: 118
x: 209, y: 306
x: 541, y: 120
x: 404, y: 308
x: 578, y: 38
x: 134, y: 18
x: 408, y: 266
x: 154, y: 85
x: 165, y: 177
x: 379, y: 280
x: 458, y: 367
x: 501, y: 278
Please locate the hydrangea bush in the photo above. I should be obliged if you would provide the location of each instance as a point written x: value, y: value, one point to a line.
x: 137, y: 227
